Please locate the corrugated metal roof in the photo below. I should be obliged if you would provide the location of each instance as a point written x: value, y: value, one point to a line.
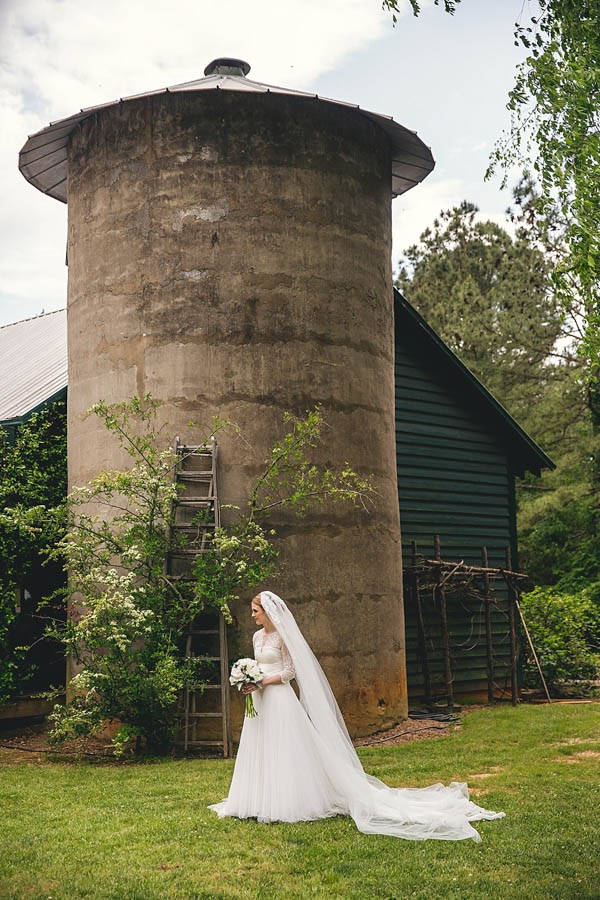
x: 33, y: 363
x: 43, y: 159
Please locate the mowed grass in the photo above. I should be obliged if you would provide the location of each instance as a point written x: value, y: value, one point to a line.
x: 143, y: 830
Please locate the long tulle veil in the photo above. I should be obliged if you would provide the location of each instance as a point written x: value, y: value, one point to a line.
x: 437, y: 811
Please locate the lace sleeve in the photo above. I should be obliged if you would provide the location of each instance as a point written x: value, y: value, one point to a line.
x: 288, y: 672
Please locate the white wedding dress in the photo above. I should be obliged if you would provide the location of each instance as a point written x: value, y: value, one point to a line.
x: 279, y: 773
x: 295, y: 761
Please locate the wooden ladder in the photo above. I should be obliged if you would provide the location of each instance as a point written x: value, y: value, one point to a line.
x: 196, y: 515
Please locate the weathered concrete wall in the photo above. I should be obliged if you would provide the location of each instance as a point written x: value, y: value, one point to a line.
x: 230, y: 253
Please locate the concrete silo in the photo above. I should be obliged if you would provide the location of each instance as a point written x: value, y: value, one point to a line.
x: 229, y: 248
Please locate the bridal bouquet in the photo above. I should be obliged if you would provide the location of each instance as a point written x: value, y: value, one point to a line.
x: 246, y: 671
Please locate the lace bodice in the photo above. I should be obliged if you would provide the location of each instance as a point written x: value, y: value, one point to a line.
x: 270, y: 650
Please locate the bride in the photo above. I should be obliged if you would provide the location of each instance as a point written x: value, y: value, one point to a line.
x: 296, y: 761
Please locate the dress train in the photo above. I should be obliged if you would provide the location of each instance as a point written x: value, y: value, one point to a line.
x: 288, y: 769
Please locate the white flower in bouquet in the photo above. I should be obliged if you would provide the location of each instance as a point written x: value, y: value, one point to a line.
x: 246, y: 671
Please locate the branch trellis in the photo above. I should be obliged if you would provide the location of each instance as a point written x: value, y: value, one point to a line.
x: 454, y: 581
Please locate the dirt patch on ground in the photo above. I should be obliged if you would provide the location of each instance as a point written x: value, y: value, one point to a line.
x: 580, y: 756
x: 31, y: 745
x: 493, y: 770
x: 572, y: 742
x: 411, y: 730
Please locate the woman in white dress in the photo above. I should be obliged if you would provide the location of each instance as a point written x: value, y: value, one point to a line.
x: 296, y: 761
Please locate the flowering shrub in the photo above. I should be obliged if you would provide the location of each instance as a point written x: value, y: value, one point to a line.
x: 128, y: 616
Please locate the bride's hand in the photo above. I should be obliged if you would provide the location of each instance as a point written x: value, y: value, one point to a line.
x: 249, y: 688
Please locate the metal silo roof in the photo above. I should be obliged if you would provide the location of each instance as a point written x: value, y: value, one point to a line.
x: 33, y: 363
x: 43, y: 159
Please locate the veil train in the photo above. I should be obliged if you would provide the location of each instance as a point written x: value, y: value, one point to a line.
x: 437, y: 811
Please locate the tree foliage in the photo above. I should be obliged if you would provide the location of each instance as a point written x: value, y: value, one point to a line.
x: 393, y: 6
x: 488, y: 295
x: 555, y: 130
x: 555, y: 105
x: 33, y: 487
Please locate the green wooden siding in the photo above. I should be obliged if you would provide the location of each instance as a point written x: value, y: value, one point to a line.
x: 454, y: 479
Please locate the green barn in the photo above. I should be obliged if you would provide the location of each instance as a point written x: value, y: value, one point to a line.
x: 458, y: 455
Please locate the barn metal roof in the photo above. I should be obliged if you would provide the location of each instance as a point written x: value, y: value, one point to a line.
x: 43, y: 159
x: 33, y: 363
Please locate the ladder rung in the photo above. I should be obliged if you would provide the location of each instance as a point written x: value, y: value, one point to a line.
x: 202, y: 631
x: 205, y: 447
x: 199, y: 743
x: 194, y: 476
x: 194, y: 526
x: 204, y: 715
x: 183, y: 551
x: 196, y: 501
x: 194, y: 529
x: 207, y: 658
x: 194, y: 451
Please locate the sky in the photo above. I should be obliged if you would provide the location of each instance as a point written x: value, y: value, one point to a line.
x: 447, y: 78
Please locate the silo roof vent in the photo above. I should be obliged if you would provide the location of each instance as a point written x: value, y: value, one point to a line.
x: 226, y: 66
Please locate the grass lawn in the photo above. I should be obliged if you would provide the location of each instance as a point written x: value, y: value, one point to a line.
x: 142, y: 830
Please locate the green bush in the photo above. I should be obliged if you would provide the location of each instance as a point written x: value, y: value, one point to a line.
x: 565, y: 631
x: 562, y: 548
x: 33, y: 487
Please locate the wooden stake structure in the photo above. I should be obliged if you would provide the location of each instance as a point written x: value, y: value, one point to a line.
x: 422, y: 637
x: 443, y: 577
x: 441, y: 597
x: 514, y: 685
x: 485, y: 578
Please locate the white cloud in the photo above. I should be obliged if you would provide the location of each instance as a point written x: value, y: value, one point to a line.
x: 78, y: 54
x: 32, y: 228
x: 58, y: 56
x: 413, y: 212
